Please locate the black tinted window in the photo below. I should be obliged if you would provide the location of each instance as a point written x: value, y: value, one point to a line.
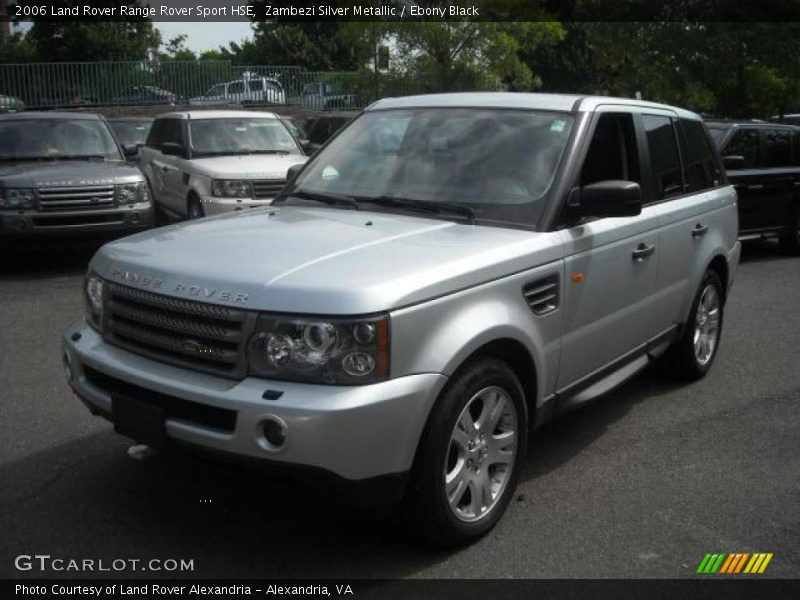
x: 663, y: 155
x: 699, y: 166
x: 154, y: 137
x: 612, y: 152
x: 777, y: 148
x: 744, y: 143
x: 236, y: 88
x: 257, y: 85
x: 172, y: 132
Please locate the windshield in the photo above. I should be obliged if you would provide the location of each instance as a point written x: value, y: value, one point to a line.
x: 131, y: 133
x: 56, y: 138
x: 717, y: 133
x: 498, y: 163
x: 241, y: 136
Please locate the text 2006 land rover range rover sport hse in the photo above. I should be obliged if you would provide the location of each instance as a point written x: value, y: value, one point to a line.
x: 447, y: 273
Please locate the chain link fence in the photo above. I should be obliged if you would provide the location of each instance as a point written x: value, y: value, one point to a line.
x: 204, y: 82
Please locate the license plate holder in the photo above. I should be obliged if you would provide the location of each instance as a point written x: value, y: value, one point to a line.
x: 138, y: 420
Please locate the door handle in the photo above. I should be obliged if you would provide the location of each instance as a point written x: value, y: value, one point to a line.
x: 643, y: 251
x: 755, y: 187
x: 699, y: 230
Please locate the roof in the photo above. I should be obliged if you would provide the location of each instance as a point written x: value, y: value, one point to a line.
x: 557, y: 102
x: 129, y: 119
x: 50, y: 114
x: 218, y: 114
x: 745, y: 123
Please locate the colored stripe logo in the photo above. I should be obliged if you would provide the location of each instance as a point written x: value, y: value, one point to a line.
x: 734, y: 563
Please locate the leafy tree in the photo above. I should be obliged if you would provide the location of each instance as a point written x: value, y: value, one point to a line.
x: 176, y: 49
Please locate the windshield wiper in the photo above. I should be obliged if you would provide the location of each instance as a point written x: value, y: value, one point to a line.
x: 324, y: 197
x: 53, y: 157
x: 265, y: 152
x: 431, y: 206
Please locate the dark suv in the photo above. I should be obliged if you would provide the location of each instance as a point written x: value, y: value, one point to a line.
x: 763, y: 162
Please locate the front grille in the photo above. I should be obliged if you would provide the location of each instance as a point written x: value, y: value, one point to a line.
x: 195, y: 335
x: 76, y: 197
x: 267, y: 188
x: 82, y: 219
x: 193, y: 412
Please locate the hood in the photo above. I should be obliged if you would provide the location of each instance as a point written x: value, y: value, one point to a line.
x: 319, y: 261
x: 38, y: 174
x: 248, y: 166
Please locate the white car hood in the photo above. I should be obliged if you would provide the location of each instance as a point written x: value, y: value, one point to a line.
x: 248, y: 166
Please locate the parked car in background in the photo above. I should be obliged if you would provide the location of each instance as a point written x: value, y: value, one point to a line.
x: 201, y: 163
x: 763, y: 163
x: 448, y: 273
x: 11, y: 104
x: 131, y: 133
x: 247, y: 90
x: 323, y: 127
x: 326, y: 96
x: 790, y: 119
x: 145, y: 95
x: 64, y: 173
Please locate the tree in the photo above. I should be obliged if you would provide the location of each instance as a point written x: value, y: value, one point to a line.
x: 176, y: 49
x: 62, y: 41
x: 472, y: 55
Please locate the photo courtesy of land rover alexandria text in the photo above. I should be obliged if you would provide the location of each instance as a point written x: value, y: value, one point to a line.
x: 446, y: 274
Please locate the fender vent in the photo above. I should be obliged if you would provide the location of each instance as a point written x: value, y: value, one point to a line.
x: 542, y: 295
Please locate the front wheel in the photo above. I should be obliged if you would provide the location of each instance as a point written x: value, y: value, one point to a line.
x: 194, y: 209
x: 692, y: 356
x: 470, y: 456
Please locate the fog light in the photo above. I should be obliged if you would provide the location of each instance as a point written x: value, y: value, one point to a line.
x: 275, y: 433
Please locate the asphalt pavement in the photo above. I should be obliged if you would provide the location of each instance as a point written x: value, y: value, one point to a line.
x: 641, y: 484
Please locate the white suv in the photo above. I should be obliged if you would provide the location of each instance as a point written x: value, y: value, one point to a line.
x: 207, y: 162
x: 248, y: 90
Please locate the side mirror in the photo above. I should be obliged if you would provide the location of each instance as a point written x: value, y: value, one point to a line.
x: 293, y: 171
x: 309, y: 147
x: 733, y: 163
x: 613, y: 198
x: 131, y: 151
x: 172, y: 149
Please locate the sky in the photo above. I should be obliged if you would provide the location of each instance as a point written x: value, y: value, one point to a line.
x: 205, y: 35
x: 200, y: 35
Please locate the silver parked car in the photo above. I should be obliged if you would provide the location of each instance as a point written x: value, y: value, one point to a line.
x: 447, y: 274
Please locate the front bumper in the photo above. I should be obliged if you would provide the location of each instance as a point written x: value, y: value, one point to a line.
x: 30, y: 223
x: 217, y: 206
x: 352, y: 432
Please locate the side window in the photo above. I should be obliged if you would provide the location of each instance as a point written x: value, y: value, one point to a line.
x: 256, y: 85
x: 237, y: 87
x: 797, y: 147
x: 699, y: 166
x: 612, y: 152
x: 663, y: 155
x: 172, y: 131
x: 744, y: 143
x: 777, y: 144
x: 154, y: 138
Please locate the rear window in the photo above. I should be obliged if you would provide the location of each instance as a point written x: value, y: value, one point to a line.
x: 663, y: 155
x: 699, y: 165
x: 777, y: 145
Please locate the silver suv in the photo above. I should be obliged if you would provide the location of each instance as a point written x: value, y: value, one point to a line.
x: 447, y: 274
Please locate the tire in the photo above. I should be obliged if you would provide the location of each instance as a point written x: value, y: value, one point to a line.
x: 446, y: 451
x: 194, y: 209
x: 790, y: 239
x: 691, y: 357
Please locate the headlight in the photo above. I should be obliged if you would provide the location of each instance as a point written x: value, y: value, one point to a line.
x: 132, y: 193
x: 17, y: 198
x: 93, y: 292
x: 330, y: 351
x: 231, y: 188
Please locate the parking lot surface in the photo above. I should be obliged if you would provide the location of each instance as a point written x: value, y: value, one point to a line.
x: 640, y: 484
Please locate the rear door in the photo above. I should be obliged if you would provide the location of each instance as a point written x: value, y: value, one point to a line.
x: 691, y: 219
x: 610, y: 265
x: 776, y: 159
x: 750, y: 180
x: 172, y: 168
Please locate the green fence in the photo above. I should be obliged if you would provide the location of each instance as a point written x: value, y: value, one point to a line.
x: 141, y: 83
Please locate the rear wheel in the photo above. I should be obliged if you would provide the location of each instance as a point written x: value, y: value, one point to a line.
x: 790, y: 239
x: 692, y: 356
x: 471, y: 454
